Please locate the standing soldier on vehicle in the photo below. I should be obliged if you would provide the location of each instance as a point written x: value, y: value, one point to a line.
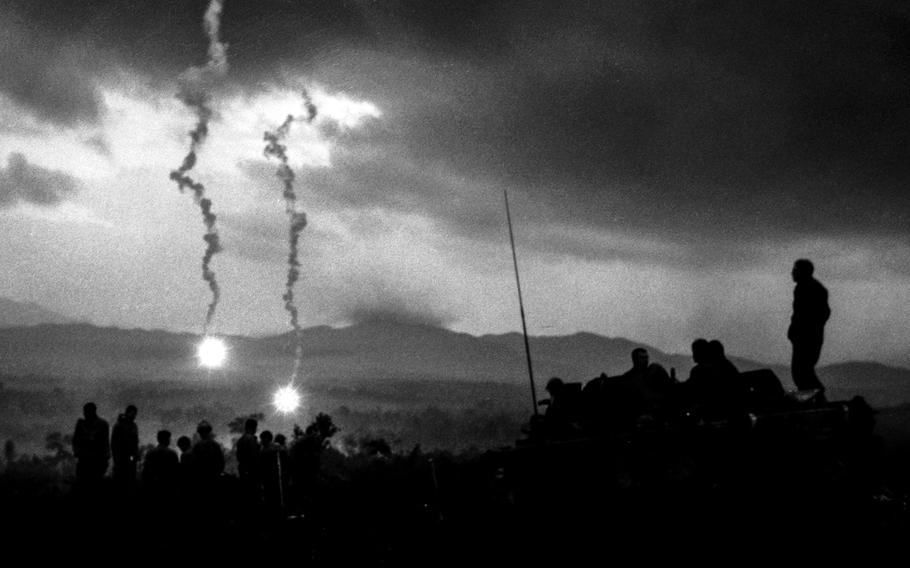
x: 807, y: 326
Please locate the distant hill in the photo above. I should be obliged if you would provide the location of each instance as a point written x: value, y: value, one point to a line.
x: 881, y: 385
x: 21, y: 314
x: 75, y: 352
x: 375, y: 351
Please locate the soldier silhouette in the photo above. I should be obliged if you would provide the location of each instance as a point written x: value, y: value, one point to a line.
x: 248, y: 465
x: 125, y: 447
x: 160, y: 472
x: 268, y: 470
x: 714, y: 389
x: 650, y: 386
x: 807, y: 326
x: 207, y: 456
x: 91, y: 446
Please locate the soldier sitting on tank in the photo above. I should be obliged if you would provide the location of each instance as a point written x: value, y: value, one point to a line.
x: 610, y: 405
x: 702, y: 387
x: 562, y: 418
x: 714, y: 390
x: 596, y: 396
x: 646, y: 388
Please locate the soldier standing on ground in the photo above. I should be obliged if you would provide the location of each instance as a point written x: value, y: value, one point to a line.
x: 161, y: 466
x: 91, y: 446
x: 207, y: 456
x: 248, y: 464
x: 125, y: 446
x: 207, y: 465
x: 248, y: 452
x: 160, y: 475
x: 268, y: 470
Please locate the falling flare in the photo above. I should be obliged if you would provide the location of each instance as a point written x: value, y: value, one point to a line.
x: 194, y: 93
x: 297, y: 220
x: 287, y: 399
x: 212, y: 352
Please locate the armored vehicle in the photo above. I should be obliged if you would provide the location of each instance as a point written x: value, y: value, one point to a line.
x: 798, y: 459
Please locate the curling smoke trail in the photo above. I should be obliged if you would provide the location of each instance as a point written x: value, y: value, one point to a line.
x: 194, y: 93
x: 297, y: 219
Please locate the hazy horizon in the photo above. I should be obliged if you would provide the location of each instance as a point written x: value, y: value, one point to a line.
x: 339, y: 326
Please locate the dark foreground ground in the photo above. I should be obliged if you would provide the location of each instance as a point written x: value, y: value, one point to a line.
x: 650, y: 497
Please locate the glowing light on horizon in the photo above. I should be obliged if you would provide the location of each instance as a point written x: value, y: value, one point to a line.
x: 287, y: 399
x: 212, y: 352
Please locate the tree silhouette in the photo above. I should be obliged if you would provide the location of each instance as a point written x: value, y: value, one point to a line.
x: 322, y: 429
x: 58, y: 445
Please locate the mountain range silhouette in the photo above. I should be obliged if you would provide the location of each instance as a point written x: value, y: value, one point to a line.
x: 377, y: 350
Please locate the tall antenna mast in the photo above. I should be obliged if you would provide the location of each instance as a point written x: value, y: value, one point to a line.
x: 521, y: 306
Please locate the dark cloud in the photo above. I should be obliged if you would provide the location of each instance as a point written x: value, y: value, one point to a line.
x: 708, y: 127
x: 384, y: 303
x: 706, y: 124
x: 703, y: 124
x: 263, y: 35
x: 400, y: 312
x: 163, y: 38
x: 46, y: 75
x: 700, y: 124
x: 21, y: 181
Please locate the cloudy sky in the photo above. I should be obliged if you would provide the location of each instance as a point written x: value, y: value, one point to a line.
x: 665, y: 163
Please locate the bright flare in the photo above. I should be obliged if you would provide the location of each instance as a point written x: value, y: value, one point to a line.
x: 212, y: 352
x: 287, y: 399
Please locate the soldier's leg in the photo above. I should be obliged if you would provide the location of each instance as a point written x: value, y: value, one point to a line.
x: 805, y: 355
x: 813, y: 354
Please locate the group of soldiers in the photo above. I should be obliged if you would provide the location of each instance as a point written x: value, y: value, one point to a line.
x: 715, y: 389
x: 262, y: 466
x: 198, y: 467
x: 95, y: 444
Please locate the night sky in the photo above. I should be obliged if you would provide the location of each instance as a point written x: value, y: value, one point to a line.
x: 665, y: 161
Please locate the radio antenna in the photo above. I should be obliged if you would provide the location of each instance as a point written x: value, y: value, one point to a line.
x: 521, y: 306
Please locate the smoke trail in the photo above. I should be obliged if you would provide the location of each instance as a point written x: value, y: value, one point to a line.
x: 297, y: 219
x: 194, y: 93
